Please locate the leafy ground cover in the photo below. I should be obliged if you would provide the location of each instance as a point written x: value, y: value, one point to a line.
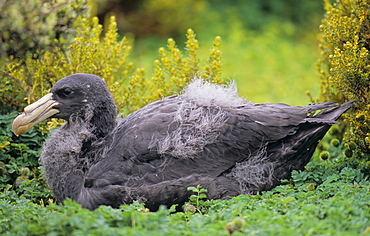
x: 322, y: 200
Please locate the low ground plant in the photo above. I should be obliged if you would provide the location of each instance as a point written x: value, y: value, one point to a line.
x: 322, y: 200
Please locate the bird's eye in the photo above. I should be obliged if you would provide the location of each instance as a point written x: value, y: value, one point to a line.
x: 67, y: 91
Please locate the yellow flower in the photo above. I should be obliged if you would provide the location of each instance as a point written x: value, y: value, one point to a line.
x: 4, y: 144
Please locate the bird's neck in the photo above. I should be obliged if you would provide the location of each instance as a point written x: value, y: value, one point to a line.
x: 73, y: 148
x: 65, y: 158
x: 102, y: 119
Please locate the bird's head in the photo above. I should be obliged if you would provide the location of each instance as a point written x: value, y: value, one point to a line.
x: 83, y: 96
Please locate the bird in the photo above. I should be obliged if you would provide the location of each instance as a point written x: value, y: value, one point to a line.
x: 206, y: 135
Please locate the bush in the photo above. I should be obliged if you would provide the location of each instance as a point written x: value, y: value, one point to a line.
x: 26, y: 79
x: 20, y: 173
x: 345, y: 65
x: 29, y: 27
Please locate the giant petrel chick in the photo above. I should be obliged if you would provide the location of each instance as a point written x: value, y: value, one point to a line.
x: 205, y: 136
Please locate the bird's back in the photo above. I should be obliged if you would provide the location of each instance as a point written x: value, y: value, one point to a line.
x: 175, y: 137
x: 229, y: 148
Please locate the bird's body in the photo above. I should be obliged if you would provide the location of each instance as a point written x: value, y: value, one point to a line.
x: 205, y: 136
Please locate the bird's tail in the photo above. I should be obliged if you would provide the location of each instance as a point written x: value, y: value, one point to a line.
x: 279, y: 159
x: 329, y: 112
x: 295, y: 151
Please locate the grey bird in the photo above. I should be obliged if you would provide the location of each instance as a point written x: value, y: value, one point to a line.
x: 206, y: 136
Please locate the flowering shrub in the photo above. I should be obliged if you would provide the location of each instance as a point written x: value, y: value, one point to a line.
x: 27, y: 79
x: 345, y: 65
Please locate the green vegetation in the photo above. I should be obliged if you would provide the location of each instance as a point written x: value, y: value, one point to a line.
x: 27, y: 30
x: 26, y: 79
x: 272, y: 59
x: 345, y: 65
x: 338, y: 204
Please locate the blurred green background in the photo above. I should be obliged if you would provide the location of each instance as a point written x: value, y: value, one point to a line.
x: 269, y: 47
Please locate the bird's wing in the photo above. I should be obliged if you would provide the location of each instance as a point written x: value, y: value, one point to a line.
x: 157, y: 142
x: 153, y: 195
